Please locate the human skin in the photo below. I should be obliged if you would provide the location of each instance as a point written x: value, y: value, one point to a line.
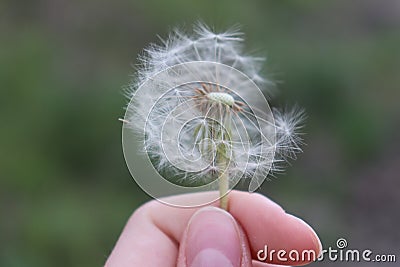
x: 160, y: 235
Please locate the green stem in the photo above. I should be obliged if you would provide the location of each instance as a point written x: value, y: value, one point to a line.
x: 223, y: 162
x: 223, y: 191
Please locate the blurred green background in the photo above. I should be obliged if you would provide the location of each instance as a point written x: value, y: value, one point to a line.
x: 65, y: 191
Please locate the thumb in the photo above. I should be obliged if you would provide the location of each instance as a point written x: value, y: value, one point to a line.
x: 213, y: 238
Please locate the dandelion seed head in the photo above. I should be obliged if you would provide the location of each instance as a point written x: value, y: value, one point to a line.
x: 196, y: 103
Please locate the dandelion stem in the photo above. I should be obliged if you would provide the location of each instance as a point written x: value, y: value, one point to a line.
x: 223, y: 191
x: 224, y: 156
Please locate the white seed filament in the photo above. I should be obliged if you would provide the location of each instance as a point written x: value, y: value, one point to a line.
x: 223, y: 98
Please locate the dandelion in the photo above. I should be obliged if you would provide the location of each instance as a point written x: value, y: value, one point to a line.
x: 197, y: 107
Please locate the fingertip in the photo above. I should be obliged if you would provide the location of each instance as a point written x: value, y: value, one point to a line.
x: 316, y: 242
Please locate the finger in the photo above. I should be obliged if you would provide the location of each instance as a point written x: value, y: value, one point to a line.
x: 152, y: 234
x: 267, y: 225
x: 261, y: 264
x: 143, y: 243
x: 213, y: 238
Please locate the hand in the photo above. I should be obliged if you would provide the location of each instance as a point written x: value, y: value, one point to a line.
x: 160, y: 235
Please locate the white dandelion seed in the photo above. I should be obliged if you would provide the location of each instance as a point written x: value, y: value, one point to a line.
x: 202, y: 119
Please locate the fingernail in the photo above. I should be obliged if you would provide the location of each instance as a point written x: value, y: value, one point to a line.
x: 213, y: 239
